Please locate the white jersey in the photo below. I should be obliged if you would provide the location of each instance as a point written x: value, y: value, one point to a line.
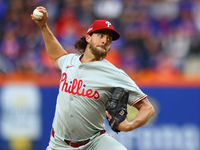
x: 84, y: 90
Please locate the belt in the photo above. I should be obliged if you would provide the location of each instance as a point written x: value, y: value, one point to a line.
x: 76, y: 144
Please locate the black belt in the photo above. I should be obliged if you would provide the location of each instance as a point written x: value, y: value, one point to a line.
x: 79, y: 143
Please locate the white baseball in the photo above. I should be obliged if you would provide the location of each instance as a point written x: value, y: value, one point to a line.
x: 38, y: 15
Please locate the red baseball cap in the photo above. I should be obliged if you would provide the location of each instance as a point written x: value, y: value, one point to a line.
x: 103, y: 24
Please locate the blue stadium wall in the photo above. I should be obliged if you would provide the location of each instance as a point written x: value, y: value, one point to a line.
x: 175, y: 126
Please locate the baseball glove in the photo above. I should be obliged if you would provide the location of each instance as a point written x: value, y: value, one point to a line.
x: 117, y: 107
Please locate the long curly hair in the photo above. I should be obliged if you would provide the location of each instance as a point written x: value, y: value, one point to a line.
x: 81, y: 44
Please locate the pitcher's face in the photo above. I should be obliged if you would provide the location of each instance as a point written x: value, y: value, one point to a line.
x: 100, y: 42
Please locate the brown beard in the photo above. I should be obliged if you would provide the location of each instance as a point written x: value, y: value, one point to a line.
x: 98, y: 55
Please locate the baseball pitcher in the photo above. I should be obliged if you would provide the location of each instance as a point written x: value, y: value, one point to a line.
x: 91, y: 89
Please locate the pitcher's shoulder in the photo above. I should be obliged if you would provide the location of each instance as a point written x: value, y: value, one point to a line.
x: 111, y: 67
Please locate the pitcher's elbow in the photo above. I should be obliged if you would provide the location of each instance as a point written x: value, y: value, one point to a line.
x: 152, y: 110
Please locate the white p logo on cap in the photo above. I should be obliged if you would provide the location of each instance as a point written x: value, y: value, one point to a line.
x: 108, y: 23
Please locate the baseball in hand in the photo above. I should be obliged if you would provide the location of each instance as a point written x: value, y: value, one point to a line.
x: 38, y: 15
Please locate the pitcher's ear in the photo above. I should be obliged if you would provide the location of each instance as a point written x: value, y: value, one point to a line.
x: 87, y: 38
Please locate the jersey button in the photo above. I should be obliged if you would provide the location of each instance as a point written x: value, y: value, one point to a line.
x: 71, y: 115
x: 72, y: 131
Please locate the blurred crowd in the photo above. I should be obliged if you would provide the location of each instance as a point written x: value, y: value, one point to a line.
x: 161, y: 36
